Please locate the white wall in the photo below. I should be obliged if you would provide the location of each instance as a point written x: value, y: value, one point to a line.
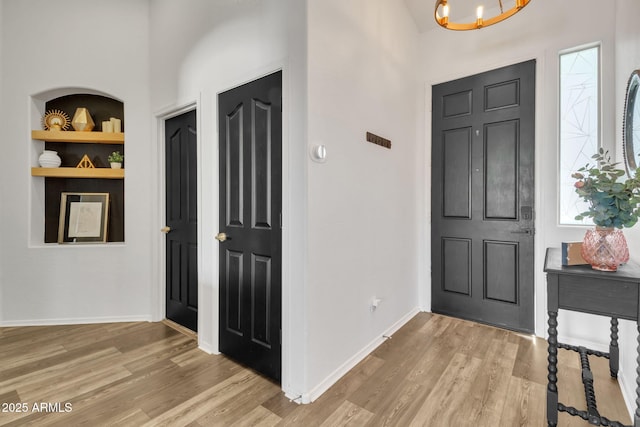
x: 360, y: 204
x: 101, y: 48
x: 364, y: 201
x: 201, y: 48
x: 160, y: 57
x: 2, y: 181
x: 627, y: 60
x: 2, y: 185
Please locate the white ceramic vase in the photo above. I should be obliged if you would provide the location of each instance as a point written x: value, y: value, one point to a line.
x: 116, y: 165
x: 49, y: 159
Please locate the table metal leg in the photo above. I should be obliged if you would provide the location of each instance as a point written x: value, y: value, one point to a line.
x: 552, y: 388
x: 614, y: 351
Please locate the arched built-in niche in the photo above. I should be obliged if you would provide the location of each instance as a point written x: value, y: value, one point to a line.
x: 48, y: 185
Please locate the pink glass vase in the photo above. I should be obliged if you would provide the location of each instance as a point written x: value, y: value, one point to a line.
x: 605, y: 248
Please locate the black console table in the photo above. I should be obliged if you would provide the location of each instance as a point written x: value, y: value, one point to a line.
x: 580, y: 288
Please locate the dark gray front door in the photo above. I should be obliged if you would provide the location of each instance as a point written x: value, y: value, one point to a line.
x: 181, y: 155
x: 250, y: 135
x: 483, y: 197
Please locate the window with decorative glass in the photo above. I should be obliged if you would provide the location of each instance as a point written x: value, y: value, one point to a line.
x: 579, y: 124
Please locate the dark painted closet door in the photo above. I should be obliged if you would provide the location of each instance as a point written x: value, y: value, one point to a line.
x: 182, y: 219
x: 483, y: 196
x: 250, y: 135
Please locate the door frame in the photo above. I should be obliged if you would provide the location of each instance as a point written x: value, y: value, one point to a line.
x: 159, y: 293
x: 540, y: 290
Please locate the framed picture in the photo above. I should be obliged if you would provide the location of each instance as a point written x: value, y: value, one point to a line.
x: 83, y: 217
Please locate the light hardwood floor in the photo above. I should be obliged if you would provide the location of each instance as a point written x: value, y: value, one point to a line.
x: 435, y: 371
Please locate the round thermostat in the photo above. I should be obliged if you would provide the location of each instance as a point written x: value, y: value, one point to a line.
x: 319, y: 153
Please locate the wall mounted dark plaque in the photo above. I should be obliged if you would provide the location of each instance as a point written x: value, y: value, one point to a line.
x: 378, y: 140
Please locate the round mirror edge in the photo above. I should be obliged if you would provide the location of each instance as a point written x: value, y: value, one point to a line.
x: 629, y: 151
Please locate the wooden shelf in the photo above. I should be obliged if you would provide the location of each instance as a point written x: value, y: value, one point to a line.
x: 78, y: 137
x: 105, y: 173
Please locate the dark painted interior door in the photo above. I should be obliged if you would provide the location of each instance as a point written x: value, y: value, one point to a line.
x: 250, y: 135
x: 182, y: 220
x: 483, y: 197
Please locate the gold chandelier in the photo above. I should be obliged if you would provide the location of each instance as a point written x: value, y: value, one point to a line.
x: 442, y: 15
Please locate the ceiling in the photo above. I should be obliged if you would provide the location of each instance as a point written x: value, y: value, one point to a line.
x: 422, y: 12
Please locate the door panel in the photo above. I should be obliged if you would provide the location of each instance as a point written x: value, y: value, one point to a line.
x: 260, y: 300
x: 261, y: 166
x: 502, y: 95
x: 482, y: 197
x: 250, y: 119
x: 234, y: 147
x: 501, y: 269
x: 501, y: 170
x: 182, y: 217
x: 192, y: 271
x: 233, y: 289
x: 456, y: 262
x: 456, y: 104
x: 457, y: 176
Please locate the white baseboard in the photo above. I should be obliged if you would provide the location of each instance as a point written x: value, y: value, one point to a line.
x: 628, y: 394
x: 593, y: 345
x: 317, y: 391
x: 73, y: 321
x: 295, y: 399
x: 207, y: 347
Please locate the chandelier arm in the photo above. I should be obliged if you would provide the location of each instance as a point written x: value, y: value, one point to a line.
x: 444, y: 21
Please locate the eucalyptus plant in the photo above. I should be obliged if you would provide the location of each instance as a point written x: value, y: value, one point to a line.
x: 614, y: 200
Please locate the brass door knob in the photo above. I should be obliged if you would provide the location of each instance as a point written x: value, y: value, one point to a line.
x: 165, y: 229
x: 221, y: 237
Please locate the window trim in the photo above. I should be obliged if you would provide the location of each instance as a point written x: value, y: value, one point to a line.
x: 599, y: 133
